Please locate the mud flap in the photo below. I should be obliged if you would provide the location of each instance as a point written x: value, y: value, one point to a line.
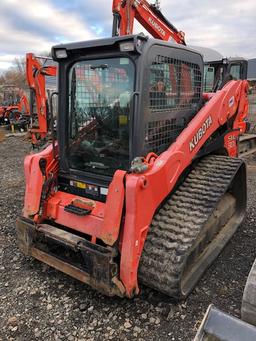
x: 219, y: 326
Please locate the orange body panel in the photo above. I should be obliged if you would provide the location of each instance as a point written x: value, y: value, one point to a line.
x: 34, y: 180
x: 90, y: 224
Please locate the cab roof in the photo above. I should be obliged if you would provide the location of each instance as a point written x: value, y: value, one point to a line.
x: 140, y: 42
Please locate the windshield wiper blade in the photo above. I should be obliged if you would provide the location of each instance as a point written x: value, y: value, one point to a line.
x: 102, y: 66
x: 96, y: 165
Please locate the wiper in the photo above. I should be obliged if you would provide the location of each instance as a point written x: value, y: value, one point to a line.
x: 102, y: 66
x: 96, y: 165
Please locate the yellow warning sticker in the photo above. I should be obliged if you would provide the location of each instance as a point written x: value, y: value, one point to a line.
x: 78, y: 184
x: 123, y: 120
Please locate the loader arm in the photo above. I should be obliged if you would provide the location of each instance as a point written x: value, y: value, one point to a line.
x: 149, y: 16
x: 143, y: 191
x: 35, y: 74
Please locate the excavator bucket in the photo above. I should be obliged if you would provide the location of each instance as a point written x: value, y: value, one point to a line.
x: 219, y: 326
x: 248, y: 310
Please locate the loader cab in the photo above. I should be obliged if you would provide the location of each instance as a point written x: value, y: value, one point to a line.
x: 218, y: 73
x: 120, y: 98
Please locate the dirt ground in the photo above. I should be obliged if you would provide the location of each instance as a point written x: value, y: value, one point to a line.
x: 39, y: 303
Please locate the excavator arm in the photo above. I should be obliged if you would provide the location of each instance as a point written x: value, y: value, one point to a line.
x: 148, y: 15
x: 23, y: 105
x: 36, y: 73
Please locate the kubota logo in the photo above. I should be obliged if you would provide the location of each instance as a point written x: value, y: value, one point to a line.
x: 200, y: 133
x: 159, y: 28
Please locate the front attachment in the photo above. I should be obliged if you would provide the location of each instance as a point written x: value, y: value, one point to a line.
x: 218, y: 326
x: 88, y: 262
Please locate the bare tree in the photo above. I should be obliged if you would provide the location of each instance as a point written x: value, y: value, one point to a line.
x: 19, y: 64
x: 16, y: 74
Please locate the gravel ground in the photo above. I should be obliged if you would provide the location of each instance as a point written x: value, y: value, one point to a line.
x: 39, y: 303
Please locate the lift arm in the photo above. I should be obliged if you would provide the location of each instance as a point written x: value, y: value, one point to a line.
x: 35, y: 73
x: 148, y: 15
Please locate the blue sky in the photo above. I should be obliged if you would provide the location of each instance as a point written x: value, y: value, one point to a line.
x: 35, y: 25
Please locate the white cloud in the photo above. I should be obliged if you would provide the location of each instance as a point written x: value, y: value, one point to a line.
x: 227, y: 26
x: 46, y: 15
x: 15, y: 41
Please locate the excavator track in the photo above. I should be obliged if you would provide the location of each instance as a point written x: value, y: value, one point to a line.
x: 193, y: 226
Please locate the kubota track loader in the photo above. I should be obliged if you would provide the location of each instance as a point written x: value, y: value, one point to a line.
x: 143, y: 184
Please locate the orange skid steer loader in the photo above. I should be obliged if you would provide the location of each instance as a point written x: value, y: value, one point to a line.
x: 143, y: 184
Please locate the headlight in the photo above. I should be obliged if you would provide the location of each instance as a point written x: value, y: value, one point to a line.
x: 61, y: 53
x: 127, y: 47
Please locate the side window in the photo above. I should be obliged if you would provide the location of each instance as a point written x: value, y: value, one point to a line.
x: 174, y: 98
x: 208, y: 78
x: 174, y: 84
x: 235, y: 71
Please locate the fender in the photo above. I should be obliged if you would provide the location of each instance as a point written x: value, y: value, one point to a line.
x: 35, y: 179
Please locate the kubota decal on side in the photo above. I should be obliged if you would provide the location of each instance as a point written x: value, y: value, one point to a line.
x: 200, y: 133
x: 155, y: 24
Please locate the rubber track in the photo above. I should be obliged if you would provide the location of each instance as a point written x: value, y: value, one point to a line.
x: 178, y: 223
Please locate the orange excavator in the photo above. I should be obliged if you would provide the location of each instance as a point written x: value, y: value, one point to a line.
x: 15, y: 107
x: 37, y: 69
x: 143, y: 184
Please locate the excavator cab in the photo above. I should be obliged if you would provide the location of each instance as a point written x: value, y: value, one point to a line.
x: 218, y: 73
x: 114, y: 109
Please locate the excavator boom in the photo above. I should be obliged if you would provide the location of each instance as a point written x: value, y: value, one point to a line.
x: 149, y: 16
x: 36, y: 72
